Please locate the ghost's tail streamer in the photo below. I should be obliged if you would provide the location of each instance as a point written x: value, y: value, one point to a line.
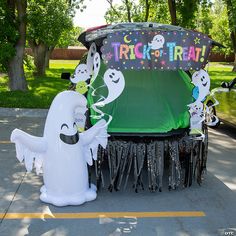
x: 213, y: 119
x: 100, y: 103
x: 216, y: 102
x: 100, y: 113
x: 95, y: 90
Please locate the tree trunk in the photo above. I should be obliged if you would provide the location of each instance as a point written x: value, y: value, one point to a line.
x: 39, y: 52
x: 127, y: 3
x: 16, y: 73
x: 147, y: 10
x: 48, y: 55
x: 234, y: 67
x: 233, y: 38
x: 232, y: 20
x: 172, y: 9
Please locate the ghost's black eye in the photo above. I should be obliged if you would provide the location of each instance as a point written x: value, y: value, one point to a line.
x: 79, y: 70
x: 92, y: 54
x: 85, y: 70
x: 64, y: 125
x: 74, y: 125
x: 113, y: 73
x: 111, y: 76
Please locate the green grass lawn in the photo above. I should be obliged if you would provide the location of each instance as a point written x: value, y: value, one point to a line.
x: 220, y: 72
x: 42, y: 90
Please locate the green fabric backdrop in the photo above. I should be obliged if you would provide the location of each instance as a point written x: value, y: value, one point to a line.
x: 152, y: 101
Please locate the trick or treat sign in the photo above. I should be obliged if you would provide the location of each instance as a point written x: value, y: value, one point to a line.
x: 136, y: 50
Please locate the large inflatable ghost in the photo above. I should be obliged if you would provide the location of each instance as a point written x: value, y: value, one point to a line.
x: 63, y: 153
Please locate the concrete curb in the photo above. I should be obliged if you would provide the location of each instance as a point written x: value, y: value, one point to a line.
x: 22, y: 112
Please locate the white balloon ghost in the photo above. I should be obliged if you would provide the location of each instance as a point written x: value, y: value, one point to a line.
x: 83, y: 72
x: 90, y: 58
x: 63, y: 153
x: 96, y: 66
x: 115, y: 82
x: 201, y: 81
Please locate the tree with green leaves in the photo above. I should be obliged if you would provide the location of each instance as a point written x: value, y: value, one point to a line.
x: 69, y: 37
x: 8, y: 36
x: 12, y: 41
x: 183, y: 12
x: 231, y: 10
x: 204, y: 17
x: 220, y: 26
x: 138, y: 11
x: 47, y: 20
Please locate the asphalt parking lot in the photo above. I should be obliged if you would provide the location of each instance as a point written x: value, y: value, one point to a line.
x: 209, y: 209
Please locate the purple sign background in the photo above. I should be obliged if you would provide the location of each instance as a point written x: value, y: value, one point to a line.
x: 162, y: 50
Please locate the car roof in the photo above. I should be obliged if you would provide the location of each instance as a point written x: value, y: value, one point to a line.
x: 98, y: 33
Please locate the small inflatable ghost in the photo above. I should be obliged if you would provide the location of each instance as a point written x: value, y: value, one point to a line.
x: 201, y: 80
x: 63, y: 153
x: 157, y: 42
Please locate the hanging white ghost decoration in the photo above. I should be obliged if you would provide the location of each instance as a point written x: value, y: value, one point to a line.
x: 81, y: 74
x: 201, y: 81
x: 63, y: 153
x: 90, y: 58
x: 96, y: 66
x: 115, y: 83
x: 196, y: 117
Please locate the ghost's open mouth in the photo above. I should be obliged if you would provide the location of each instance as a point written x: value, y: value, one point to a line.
x: 204, y: 84
x: 116, y: 81
x: 69, y: 139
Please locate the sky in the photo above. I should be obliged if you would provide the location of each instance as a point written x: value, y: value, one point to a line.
x: 93, y: 15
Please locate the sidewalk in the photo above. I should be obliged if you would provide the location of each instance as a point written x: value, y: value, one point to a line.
x: 19, y: 112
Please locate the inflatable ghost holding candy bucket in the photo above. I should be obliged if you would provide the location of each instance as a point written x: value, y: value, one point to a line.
x: 62, y: 153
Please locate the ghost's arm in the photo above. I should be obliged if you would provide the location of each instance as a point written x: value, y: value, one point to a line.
x: 35, y: 144
x: 99, y: 130
x: 91, y: 138
x: 29, y: 147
